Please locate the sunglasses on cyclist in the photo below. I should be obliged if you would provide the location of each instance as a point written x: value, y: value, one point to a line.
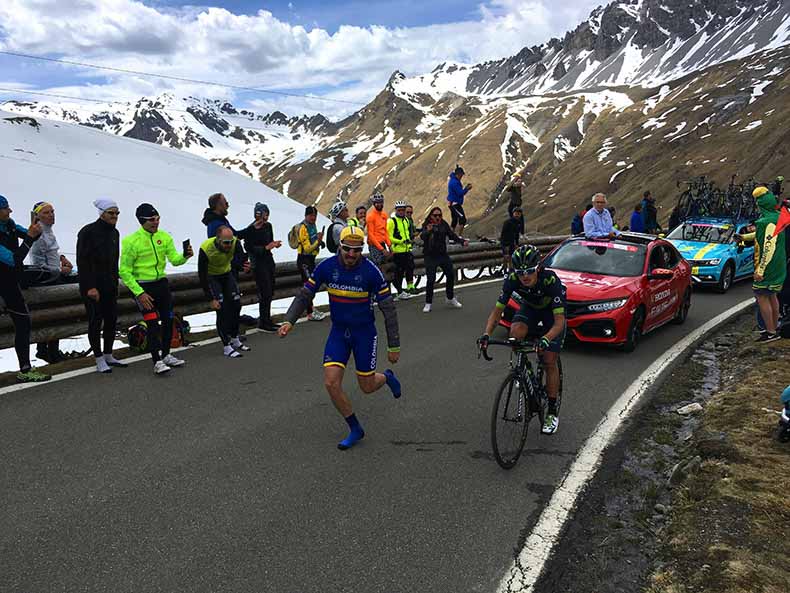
x: 227, y: 242
x: 150, y: 218
x: 349, y: 249
x: 527, y: 271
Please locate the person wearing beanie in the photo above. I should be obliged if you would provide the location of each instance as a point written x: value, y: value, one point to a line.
x: 48, y: 267
x: 259, y: 243
x: 770, y: 264
x: 144, y: 255
x: 310, y: 243
x: 98, y: 250
x: 15, y: 243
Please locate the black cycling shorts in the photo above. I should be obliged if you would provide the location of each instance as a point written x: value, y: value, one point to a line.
x: 457, y: 214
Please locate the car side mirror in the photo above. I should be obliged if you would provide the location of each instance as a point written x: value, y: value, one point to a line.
x: 660, y: 274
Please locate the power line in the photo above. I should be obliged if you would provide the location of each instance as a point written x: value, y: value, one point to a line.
x: 176, y: 78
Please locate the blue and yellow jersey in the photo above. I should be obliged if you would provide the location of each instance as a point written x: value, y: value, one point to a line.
x: 351, y: 291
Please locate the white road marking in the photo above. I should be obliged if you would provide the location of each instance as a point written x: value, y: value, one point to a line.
x: 132, y: 359
x: 532, y: 559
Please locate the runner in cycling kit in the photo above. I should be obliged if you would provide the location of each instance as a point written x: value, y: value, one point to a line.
x: 353, y: 283
x: 541, y: 296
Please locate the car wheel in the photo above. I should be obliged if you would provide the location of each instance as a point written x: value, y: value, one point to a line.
x: 634, y: 331
x: 727, y: 275
x: 683, y: 311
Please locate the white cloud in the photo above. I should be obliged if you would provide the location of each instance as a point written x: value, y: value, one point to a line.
x: 260, y: 50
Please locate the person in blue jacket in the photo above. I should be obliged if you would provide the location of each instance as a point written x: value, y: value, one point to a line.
x: 455, y: 200
x: 637, y: 225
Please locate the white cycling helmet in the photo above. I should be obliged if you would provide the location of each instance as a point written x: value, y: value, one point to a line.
x: 336, y: 209
x: 400, y: 204
x: 377, y: 198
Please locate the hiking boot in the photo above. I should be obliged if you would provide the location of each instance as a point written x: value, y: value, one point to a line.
x: 32, y: 376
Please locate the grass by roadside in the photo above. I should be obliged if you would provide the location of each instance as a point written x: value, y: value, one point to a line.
x: 729, y: 528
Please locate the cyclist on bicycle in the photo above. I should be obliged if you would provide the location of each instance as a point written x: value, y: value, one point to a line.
x: 542, y: 314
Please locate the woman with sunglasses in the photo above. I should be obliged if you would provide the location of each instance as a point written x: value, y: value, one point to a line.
x: 353, y: 283
x: 435, y: 234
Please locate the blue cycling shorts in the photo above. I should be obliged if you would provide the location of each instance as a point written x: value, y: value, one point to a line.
x: 361, y: 340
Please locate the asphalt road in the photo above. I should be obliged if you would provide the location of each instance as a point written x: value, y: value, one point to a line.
x: 224, y: 476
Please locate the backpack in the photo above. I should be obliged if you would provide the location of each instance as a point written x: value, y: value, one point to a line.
x: 137, y: 337
x: 330, y: 239
x: 180, y: 331
x: 293, y: 235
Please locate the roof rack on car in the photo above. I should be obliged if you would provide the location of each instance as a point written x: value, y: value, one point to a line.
x: 640, y: 238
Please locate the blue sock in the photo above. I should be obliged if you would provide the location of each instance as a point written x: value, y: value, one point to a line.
x: 392, y: 383
x: 354, y: 436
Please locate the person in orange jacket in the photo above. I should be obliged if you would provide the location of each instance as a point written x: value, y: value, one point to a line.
x: 379, y: 242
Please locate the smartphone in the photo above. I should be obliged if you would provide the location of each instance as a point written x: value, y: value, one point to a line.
x: 185, y: 246
x: 33, y: 218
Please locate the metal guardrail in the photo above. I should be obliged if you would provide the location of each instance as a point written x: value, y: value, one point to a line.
x: 58, y: 311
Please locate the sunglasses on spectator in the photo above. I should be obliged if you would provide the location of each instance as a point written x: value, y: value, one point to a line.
x: 112, y: 212
x: 151, y: 219
x: 436, y: 215
x: 527, y: 271
x: 349, y: 249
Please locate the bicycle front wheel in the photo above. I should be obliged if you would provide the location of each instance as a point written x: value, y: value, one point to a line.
x: 509, y: 422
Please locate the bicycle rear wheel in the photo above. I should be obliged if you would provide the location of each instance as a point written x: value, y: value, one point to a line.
x: 509, y: 422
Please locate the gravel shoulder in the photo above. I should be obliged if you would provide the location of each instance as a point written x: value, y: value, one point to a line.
x: 693, y: 501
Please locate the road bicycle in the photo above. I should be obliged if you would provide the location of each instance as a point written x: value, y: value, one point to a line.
x: 521, y: 397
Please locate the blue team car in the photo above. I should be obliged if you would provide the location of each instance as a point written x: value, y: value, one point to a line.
x: 709, y: 245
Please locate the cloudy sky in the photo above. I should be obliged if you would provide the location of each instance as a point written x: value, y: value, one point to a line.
x: 343, y: 50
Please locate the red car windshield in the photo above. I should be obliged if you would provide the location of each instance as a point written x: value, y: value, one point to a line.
x: 599, y: 257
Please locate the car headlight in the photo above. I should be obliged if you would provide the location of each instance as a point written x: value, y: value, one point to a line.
x: 606, y: 306
x: 706, y: 262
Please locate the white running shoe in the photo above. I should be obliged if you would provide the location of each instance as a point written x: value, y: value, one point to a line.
x: 404, y: 296
x: 231, y: 352
x: 551, y: 424
x: 160, y: 368
x: 102, y: 366
x: 453, y: 303
x: 237, y: 344
x: 172, y: 361
x: 426, y: 308
x: 317, y: 315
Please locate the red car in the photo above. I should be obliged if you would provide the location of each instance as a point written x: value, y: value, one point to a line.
x: 619, y: 289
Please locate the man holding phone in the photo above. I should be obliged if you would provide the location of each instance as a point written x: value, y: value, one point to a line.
x: 144, y: 255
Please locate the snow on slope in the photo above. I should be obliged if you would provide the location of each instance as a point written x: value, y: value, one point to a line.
x: 71, y: 165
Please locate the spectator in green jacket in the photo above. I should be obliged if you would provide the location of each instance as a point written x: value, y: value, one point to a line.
x: 144, y: 255
x: 770, y: 268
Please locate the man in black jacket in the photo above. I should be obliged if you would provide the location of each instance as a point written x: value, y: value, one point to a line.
x: 97, y: 264
x: 511, y: 233
x: 15, y: 242
x: 259, y: 243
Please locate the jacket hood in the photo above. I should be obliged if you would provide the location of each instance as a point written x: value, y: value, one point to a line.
x: 209, y: 215
x: 767, y: 203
